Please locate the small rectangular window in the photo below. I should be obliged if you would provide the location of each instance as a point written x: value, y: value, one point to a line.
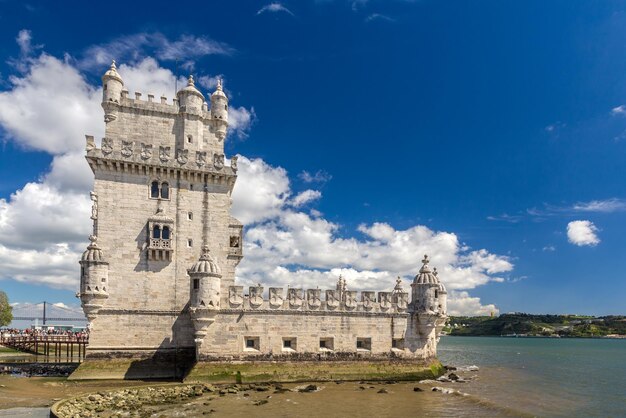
x: 326, y: 344
x: 190, y: 216
x: 289, y: 344
x: 251, y: 344
x: 397, y: 343
x: 190, y: 186
x: 196, y: 284
x: 189, y: 243
x: 364, y: 344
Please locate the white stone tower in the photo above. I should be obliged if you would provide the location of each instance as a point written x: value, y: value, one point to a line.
x: 162, y: 198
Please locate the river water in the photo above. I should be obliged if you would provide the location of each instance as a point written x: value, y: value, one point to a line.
x: 517, y: 377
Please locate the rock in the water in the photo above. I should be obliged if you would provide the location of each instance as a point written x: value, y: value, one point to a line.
x: 261, y: 402
x: 308, y: 388
x: 383, y: 391
x: 418, y: 389
x: 453, y: 376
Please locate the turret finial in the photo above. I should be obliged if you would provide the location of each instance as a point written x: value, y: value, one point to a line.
x: 425, y: 260
x: 435, y: 272
x: 219, y: 84
x: 113, y: 67
x: 190, y: 81
x: 206, y: 253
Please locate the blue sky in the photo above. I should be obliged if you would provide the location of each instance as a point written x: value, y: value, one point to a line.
x: 494, y: 126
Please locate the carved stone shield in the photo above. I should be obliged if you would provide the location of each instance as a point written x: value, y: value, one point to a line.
x: 333, y: 298
x: 233, y: 163
x: 256, y: 296
x: 218, y: 161
x: 182, y: 156
x: 201, y: 158
x: 165, y: 155
x: 368, y: 299
x: 90, y: 144
x: 146, y: 151
x: 276, y: 297
x: 384, y: 298
x: 403, y: 301
x: 350, y: 299
x: 314, y: 298
x: 107, y: 146
x: 235, y: 295
x: 127, y: 148
x: 295, y: 298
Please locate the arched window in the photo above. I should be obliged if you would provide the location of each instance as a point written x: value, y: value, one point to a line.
x: 165, y: 190
x: 166, y: 232
x: 156, y: 232
x: 154, y: 190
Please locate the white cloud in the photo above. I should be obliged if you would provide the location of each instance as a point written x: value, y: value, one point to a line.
x: 240, y: 120
x: 379, y: 17
x: 274, y: 8
x: 260, y: 192
x: 320, y: 176
x: 619, y: 110
x: 582, y: 233
x: 604, y: 206
x: 462, y: 304
x: 135, y: 47
x: 305, y: 197
x: 549, y: 248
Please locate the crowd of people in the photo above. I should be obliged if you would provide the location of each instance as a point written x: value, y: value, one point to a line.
x: 44, y: 331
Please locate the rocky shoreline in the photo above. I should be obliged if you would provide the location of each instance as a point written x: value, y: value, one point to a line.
x: 150, y: 400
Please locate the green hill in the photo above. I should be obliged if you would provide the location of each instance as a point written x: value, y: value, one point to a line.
x: 537, y: 325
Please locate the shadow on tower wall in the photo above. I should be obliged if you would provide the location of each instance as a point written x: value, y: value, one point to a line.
x: 169, y: 361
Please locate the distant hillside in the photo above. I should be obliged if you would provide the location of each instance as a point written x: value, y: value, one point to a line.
x: 538, y: 325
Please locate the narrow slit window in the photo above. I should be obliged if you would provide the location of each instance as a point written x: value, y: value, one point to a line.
x: 196, y: 284
x: 190, y: 216
x: 165, y: 190
x: 154, y: 190
x: 189, y: 243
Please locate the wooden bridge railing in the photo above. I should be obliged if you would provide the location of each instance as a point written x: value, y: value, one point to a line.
x: 57, y: 346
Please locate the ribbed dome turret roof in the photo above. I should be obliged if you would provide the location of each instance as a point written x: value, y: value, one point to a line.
x: 426, y: 275
x: 219, y: 92
x: 112, y: 73
x: 190, y: 88
x: 206, y: 264
x: 442, y: 288
x: 93, y: 251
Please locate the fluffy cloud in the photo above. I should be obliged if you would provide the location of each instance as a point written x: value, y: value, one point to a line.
x: 305, y: 197
x: 462, y: 304
x: 582, y: 233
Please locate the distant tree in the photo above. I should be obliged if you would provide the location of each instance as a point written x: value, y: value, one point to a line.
x: 6, y: 310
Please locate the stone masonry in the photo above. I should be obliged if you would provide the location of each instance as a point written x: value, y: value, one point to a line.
x: 159, y: 273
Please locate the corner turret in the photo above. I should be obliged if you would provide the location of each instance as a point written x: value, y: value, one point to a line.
x: 190, y: 99
x: 94, y: 279
x: 204, y: 293
x: 112, y: 85
x: 219, y: 111
x: 427, y: 312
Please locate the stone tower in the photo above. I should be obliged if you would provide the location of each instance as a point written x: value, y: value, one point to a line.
x: 164, y: 246
x: 427, y: 311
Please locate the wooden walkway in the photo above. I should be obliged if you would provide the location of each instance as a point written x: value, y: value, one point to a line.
x: 52, y: 346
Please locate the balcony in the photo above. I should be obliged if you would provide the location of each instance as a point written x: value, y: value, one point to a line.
x: 160, y: 249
